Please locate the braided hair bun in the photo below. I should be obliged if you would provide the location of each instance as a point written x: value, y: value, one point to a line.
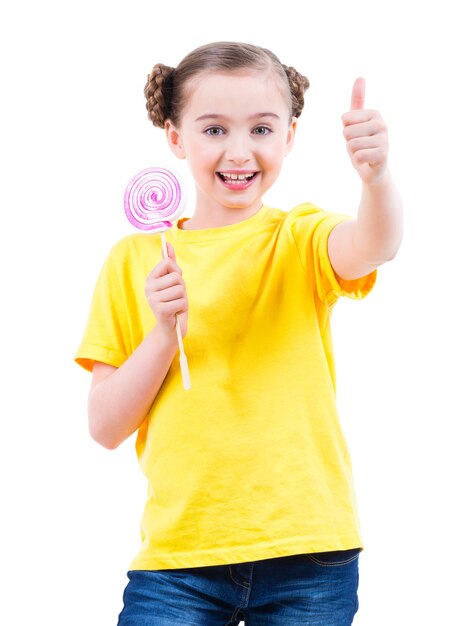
x: 158, y: 93
x: 298, y: 84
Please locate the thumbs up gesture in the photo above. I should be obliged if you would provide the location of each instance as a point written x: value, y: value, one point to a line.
x: 366, y: 136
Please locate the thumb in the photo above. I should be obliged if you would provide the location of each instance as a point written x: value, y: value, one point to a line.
x: 358, y: 94
x: 171, y: 251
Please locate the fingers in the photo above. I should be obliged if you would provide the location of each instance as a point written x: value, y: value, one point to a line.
x: 172, y: 300
x: 358, y: 94
x: 370, y: 128
x: 166, y: 296
x: 166, y: 266
x: 165, y: 291
x: 372, y: 156
x: 163, y: 278
x: 164, y: 282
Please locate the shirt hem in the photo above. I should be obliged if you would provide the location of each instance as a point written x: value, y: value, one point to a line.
x: 226, y: 556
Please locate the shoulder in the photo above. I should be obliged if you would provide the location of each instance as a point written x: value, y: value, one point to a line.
x: 307, y: 218
x: 133, y: 247
x: 298, y: 212
x: 309, y: 212
x: 129, y: 257
x: 131, y: 243
x: 286, y: 218
x: 303, y: 212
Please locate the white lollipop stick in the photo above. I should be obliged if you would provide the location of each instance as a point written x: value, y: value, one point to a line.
x: 153, y: 199
x: 183, y: 360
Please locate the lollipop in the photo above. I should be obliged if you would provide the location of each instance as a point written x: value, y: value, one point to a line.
x: 153, y: 199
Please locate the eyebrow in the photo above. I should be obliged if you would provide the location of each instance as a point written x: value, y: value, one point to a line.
x: 215, y: 116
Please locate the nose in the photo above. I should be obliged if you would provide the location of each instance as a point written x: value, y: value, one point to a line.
x: 238, y: 149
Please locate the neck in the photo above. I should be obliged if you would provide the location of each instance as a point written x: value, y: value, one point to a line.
x: 217, y: 216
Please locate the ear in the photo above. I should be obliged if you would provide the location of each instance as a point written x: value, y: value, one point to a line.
x: 174, y: 139
x: 290, y: 135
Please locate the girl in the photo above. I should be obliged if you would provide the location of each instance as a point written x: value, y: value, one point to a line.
x: 250, y: 510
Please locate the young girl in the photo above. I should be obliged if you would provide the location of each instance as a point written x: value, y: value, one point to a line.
x: 250, y: 510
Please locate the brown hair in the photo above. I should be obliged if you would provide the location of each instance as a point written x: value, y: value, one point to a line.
x: 165, y: 87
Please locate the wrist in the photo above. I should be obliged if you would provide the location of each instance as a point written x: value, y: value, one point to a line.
x: 165, y: 338
x: 378, y: 182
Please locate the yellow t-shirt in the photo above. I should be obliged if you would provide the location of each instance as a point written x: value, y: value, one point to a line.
x: 250, y: 463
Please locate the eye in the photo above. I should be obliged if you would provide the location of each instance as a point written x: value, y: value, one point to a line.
x: 262, y: 130
x: 214, y: 131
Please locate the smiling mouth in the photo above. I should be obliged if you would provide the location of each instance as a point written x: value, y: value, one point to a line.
x: 237, y: 180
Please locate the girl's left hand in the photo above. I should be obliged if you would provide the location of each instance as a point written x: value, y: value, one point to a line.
x: 366, y: 136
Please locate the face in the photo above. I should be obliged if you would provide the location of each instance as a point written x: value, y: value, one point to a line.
x: 234, y: 133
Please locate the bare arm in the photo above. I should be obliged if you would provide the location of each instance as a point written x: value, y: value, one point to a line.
x: 120, y: 398
x: 357, y: 247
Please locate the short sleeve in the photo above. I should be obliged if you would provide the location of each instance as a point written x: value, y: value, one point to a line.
x: 310, y: 228
x: 106, y: 337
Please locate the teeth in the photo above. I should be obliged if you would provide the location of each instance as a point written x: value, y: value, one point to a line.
x: 240, y: 177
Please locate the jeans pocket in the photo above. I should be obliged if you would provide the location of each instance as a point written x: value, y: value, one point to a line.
x: 334, y: 558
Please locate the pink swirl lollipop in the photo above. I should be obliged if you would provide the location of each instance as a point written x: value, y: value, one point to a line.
x: 154, y: 198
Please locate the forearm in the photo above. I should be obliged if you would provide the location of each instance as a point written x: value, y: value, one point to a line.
x: 379, y: 226
x: 119, y: 403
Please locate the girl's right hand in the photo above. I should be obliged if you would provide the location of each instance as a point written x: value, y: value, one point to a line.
x: 166, y: 295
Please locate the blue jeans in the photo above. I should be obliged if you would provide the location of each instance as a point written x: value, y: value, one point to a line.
x: 304, y: 589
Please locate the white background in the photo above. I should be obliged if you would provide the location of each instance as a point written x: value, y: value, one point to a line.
x: 73, y: 132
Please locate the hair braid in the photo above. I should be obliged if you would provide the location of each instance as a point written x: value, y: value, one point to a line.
x: 298, y: 84
x: 158, y: 91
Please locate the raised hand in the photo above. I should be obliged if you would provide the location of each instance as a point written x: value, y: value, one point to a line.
x: 366, y: 136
